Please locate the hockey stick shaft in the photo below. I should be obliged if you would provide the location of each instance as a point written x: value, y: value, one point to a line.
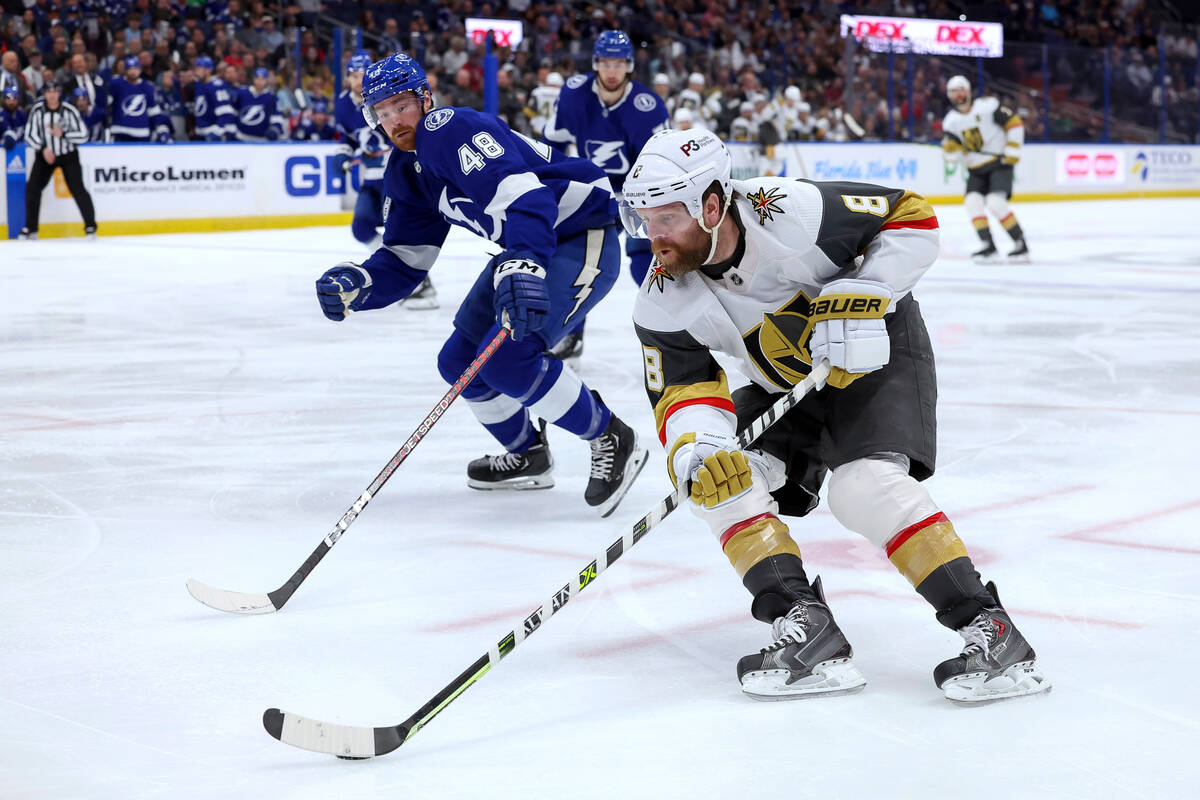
x: 284, y: 592
x: 366, y: 742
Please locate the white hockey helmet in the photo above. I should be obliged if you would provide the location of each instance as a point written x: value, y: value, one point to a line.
x: 803, y: 108
x: 958, y: 82
x: 554, y: 79
x: 662, y: 78
x: 695, y: 77
x: 791, y: 93
x: 677, y: 167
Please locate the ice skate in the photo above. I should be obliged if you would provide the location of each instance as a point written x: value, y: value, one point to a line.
x: 617, y: 458
x: 424, y: 298
x: 810, y: 656
x: 514, y: 471
x: 996, y: 664
x: 988, y: 254
x: 568, y: 349
x: 1019, y: 254
x: 27, y: 234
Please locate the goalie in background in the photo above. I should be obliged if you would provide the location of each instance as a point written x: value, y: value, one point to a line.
x: 987, y: 137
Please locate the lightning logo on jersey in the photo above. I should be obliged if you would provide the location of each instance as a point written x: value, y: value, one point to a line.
x: 589, y: 272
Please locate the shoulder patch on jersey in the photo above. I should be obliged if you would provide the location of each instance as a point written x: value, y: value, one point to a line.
x: 437, y: 118
x: 764, y: 203
x: 658, y: 277
x: 644, y: 102
x: 575, y: 81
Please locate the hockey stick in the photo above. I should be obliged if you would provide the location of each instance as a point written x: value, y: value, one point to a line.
x: 347, y: 741
x: 243, y: 603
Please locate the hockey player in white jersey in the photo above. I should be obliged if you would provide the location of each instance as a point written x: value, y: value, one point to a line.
x: 987, y: 137
x: 779, y: 275
x: 543, y: 100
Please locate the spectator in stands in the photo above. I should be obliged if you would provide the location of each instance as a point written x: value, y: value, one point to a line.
x: 34, y: 79
x: 93, y: 85
x: 390, y: 41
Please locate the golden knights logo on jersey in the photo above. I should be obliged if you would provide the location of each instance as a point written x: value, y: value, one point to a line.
x: 778, y: 345
x: 764, y: 203
x: 658, y: 276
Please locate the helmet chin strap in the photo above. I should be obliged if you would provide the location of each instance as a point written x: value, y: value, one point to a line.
x: 712, y: 251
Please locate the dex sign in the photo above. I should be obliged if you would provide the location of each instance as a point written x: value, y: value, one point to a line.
x: 944, y: 36
x: 508, y: 32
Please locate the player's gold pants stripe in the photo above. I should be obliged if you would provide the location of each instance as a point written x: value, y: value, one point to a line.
x: 979, y: 222
x: 713, y: 393
x: 921, y: 548
x: 749, y: 542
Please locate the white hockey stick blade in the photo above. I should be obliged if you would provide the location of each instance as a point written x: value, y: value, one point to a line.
x: 232, y: 602
x: 343, y: 741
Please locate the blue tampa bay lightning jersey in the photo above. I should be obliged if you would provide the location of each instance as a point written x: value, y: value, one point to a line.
x: 609, y: 136
x: 213, y: 110
x: 257, y: 115
x: 134, y: 109
x: 12, y: 126
x: 471, y: 170
x: 372, y: 147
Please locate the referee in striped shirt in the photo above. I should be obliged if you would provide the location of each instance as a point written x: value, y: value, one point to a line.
x: 53, y: 131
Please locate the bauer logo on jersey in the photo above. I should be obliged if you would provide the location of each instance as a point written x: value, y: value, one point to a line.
x: 387, y: 208
x: 644, y: 102
x: 764, y: 203
x: 437, y: 118
x: 135, y: 106
x: 253, y: 115
x: 575, y: 81
x: 609, y: 156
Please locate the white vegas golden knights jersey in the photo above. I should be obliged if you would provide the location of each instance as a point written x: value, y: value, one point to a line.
x: 987, y: 132
x: 799, y: 235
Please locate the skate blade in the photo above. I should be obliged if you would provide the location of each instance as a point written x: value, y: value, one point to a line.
x: 633, y: 467
x: 421, y: 303
x: 1019, y: 680
x: 513, y: 484
x: 1022, y: 259
x: 829, y: 678
x: 993, y: 259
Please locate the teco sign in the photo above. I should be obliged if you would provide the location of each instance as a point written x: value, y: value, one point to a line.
x: 508, y: 32
x: 944, y: 36
x: 1085, y: 165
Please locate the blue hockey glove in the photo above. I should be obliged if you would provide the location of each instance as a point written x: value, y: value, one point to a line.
x: 213, y: 137
x: 346, y: 286
x: 522, y: 299
x: 9, y: 143
x: 162, y: 137
x: 272, y: 135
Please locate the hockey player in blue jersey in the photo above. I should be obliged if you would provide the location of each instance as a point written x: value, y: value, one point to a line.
x: 212, y: 108
x: 315, y: 125
x: 93, y: 117
x: 135, y: 115
x: 258, y: 119
x: 12, y: 117
x: 608, y: 116
x: 554, y: 218
x: 370, y: 149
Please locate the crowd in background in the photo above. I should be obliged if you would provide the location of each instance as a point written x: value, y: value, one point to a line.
x: 755, y: 71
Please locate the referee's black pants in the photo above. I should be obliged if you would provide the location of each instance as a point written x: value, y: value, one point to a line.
x: 39, y: 176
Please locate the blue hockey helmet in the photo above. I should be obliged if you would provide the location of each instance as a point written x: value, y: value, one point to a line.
x: 262, y: 72
x: 132, y: 61
x: 388, y: 77
x: 79, y: 92
x: 320, y: 105
x: 612, y: 44
x: 11, y: 91
x: 203, y: 62
x: 359, y: 61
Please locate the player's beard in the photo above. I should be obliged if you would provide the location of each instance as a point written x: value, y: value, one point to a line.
x: 683, y: 256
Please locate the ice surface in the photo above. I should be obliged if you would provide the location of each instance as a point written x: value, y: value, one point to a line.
x: 176, y: 406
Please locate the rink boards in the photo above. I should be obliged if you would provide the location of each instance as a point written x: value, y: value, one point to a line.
x: 200, y: 186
